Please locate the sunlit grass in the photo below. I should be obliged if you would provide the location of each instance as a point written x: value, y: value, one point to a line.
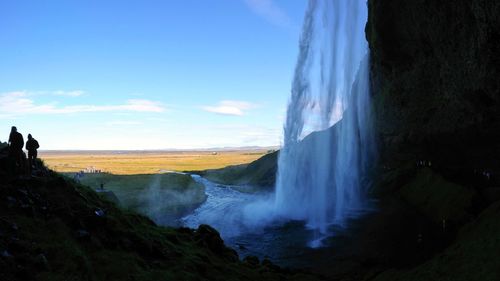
x: 173, y: 195
x: 132, y: 163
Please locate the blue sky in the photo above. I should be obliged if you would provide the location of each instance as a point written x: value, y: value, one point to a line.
x: 147, y: 74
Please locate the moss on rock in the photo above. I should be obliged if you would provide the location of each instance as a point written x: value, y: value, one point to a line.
x: 438, y: 198
x: 473, y: 255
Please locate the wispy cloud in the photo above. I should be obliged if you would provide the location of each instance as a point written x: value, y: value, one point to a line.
x: 69, y: 93
x: 228, y: 107
x: 20, y: 103
x: 123, y: 123
x: 57, y: 93
x: 249, y: 135
x: 270, y: 11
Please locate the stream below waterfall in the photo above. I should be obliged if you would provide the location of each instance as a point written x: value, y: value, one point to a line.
x: 245, y: 222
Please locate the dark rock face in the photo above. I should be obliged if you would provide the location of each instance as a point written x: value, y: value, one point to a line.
x: 436, y: 96
x: 436, y: 92
x: 435, y: 66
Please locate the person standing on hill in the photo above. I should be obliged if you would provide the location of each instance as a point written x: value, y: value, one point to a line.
x: 32, y: 146
x: 16, y: 143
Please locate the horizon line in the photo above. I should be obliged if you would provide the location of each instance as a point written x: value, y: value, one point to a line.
x: 228, y: 148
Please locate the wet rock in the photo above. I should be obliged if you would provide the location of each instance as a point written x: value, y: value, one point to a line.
x: 210, y: 238
x: 100, y: 213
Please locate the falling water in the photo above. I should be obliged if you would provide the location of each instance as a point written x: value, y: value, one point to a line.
x: 328, y: 138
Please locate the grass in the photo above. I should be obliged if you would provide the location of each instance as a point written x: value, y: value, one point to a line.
x: 138, y: 181
x: 261, y: 173
x: 437, y: 198
x: 41, y: 241
x: 133, y: 163
x: 163, y: 197
x: 473, y: 255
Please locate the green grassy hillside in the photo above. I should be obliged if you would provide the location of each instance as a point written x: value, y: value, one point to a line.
x: 259, y: 173
x: 472, y: 256
x: 54, y: 229
x: 170, y: 194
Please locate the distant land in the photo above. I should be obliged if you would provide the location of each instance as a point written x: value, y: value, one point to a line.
x: 108, y: 151
x: 133, y: 162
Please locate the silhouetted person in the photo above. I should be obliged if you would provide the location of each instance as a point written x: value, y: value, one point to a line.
x: 16, y: 143
x: 32, y: 146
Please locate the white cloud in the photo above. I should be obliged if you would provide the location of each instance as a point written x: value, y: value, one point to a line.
x: 69, y: 93
x: 20, y: 103
x: 270, y: 11
x: 227, y: 107
x: 122, y: 123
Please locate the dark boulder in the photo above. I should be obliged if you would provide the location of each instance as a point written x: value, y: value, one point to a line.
x: 208, y: 237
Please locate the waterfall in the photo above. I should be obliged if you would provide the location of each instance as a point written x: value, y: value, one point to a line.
x: 328, y: 136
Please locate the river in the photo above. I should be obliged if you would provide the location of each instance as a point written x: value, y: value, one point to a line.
x: 246, y: 223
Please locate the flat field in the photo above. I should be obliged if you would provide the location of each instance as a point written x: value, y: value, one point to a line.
x: 146, y: 162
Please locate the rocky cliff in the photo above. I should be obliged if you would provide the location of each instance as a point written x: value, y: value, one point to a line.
x: 435, y: 69
x: 436, y: 95
x: 435, y: 66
